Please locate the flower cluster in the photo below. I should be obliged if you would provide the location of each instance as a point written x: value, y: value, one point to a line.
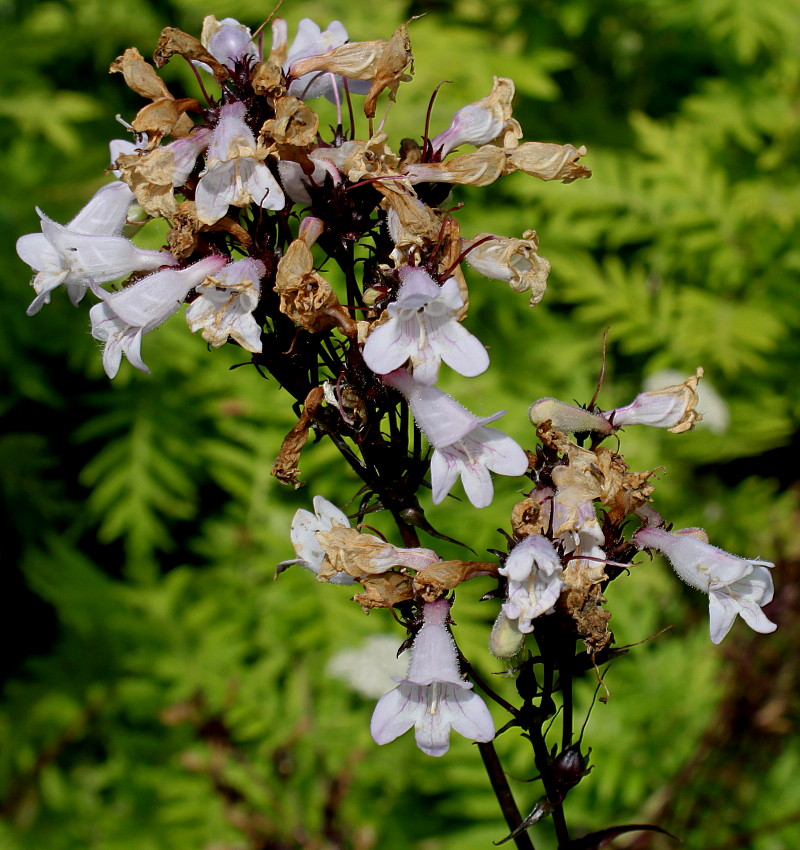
x: 259, y: 200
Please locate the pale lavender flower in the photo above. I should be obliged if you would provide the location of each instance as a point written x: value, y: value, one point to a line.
x: 312, y: 41
x: 423, y: 328
x: 433, y: 698
x: 88, y: 249
x: 235, y: 171
x: 228, y: 42
x: 325, y: 537
x: 122, y: 318
x: 535, y: 581
x: 480, y: 122
x: 472, y: 458
x: 734, y: 585
x: 226, y: 303
x: 185, y: 152
x: 463, y: 447
x: 671, y: 407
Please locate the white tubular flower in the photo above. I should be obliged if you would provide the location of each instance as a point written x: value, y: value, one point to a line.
x: 235, y: 171
x: 734, y: 585
x: 463, y: 447
x: 305, y: 526
x: 480, y: 122
x: 672, y: 408
x: 228, y: 41
x: 535, y: 581
x: 433, y: 698
x: 122, y: 318
x: 312, y: 41
x: 226, y: 303
x: 88, y: 249
x: 515, y: 261
x: 423, y: 328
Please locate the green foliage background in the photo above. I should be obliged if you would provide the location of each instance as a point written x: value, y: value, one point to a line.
x: 162, y: 691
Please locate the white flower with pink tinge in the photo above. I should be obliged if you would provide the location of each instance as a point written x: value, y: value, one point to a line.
x: 423, y: 328
x: 226, y: 303
x: 228, y: 41
x: 235, y: 173
x: 735, y: 586
x: 463, y: 446
x: 122, y: 318
x: 433, y: 698
x: 88, y: 249
x: 535, y: 581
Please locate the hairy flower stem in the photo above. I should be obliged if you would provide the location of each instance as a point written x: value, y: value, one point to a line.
x: 502, y: 791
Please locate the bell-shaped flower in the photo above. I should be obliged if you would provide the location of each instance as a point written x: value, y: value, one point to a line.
x: 734, y: 585
x: 515, y: 261
x: 472, y: 458
x: 122, y: 318
x: 312, y: 41
x: 433, y: 698
x: 235, y: 170
x: 481, y: 122
x: 88, y: 249
x: 226, y: 303
x: 535, y: 581
x: 423, y: 328
x: 463, y: 447
x: 228, y: 41
x: 672, y: 408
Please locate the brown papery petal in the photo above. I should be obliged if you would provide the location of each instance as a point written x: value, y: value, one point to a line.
x: 166, y: 117
x: 139, y: 75
x: 389, y: 73
x: 294, y: 123
x: 172, y: 41
x: 384, y: 591
x: 285, y: 468
x: 548, y: 161
x: 358, y: 61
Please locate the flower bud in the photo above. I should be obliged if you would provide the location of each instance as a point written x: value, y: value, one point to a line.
x: 506, y: 640
x: 567, y: 417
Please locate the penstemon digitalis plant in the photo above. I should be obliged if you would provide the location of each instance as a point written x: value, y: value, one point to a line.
x: 258, y: 198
